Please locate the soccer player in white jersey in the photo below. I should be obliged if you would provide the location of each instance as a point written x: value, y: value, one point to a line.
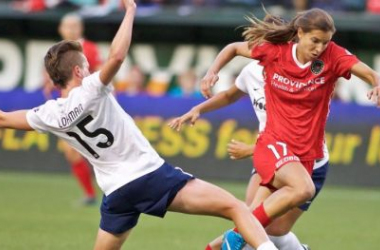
x: 133, y: 177
x: 250, y: 82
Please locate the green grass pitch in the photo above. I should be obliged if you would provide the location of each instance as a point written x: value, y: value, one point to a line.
x: 41, y: 211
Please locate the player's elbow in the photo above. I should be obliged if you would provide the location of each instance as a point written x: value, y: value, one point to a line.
x: 228, y: 97
x: 117, y: 59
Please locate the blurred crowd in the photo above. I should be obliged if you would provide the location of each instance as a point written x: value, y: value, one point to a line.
x: 104, y: 7
x: 134, y: 81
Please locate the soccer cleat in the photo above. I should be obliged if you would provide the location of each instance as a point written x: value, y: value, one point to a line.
x: 306, y: 247
x: 233, y: 241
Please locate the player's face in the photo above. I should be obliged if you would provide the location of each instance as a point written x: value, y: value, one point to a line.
x: 71, y: 29
x: 312, y: 44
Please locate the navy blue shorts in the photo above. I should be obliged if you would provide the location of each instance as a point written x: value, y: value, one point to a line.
x: 318, y: 177
x: 150, y: 194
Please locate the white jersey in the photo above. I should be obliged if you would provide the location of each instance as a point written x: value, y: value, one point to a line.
x: 251, y: 81
x: 92, y: 122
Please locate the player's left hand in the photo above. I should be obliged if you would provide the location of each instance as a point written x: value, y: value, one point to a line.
x: 239, y: 150
x: 191, y: 116
x: 207, y: 82
x: 374, y: 95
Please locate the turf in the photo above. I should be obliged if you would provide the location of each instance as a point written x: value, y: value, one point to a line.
x: 42, y: 211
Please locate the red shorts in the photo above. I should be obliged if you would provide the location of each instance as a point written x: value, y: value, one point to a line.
x: 271, y: 154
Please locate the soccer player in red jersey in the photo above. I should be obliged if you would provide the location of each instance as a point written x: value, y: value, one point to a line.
x: 250, y: 81
x: 71, y: 28
x: 301, y: 65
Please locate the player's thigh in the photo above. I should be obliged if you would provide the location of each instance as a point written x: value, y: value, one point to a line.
x: 292, y: 174
x: 284, y: 224
x: 252, y: 188
x: 270, y: 159
x: 200, y: 197
x: 109, y: 241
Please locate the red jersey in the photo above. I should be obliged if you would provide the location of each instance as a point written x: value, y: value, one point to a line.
x: 91, y: 52
x: 298, y: 95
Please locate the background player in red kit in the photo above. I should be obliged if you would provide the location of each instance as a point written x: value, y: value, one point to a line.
x: 301, y: 65
x: 71, y: 28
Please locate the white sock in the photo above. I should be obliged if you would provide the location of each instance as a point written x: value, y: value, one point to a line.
x: 288, y: 241
x: 267, y: 246
x: 248, y: 247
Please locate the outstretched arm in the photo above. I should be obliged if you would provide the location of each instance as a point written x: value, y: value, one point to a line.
x: 120, y: 44
x: 224, y: 56
x: 218, y: 101
x: 221, y: 100
x: 15, y: 120
x: 370, y: 76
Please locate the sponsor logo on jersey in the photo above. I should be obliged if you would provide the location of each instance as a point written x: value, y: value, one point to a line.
x: 291, y: 85
x: 259, y: 103
x: 287, y: 159
x: 317, y: 67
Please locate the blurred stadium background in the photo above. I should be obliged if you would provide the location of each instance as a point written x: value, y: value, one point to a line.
x: 174, y: 42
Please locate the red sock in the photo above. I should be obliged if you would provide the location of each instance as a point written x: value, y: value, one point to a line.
x: 208, y: 247
x: 82, y: 172
x: 261, y: 216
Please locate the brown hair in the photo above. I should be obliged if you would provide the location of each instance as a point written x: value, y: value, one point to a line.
x: 61, y: 59
x: 276, y: 32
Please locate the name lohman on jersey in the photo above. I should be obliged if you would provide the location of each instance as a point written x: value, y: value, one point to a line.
x: 67, y: 118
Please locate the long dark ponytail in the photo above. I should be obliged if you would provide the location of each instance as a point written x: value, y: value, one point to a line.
x: 281, y: 32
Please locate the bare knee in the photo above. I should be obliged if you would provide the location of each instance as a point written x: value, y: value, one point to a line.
x: 108, y: 241
x: 302, y: 194
x: 233, y: 207
x: 108, y: 247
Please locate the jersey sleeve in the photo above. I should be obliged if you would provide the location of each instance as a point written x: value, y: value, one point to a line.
x: 251, y: 76
x: 240, y: 81
x: 35, y: 118
x: 343, y: 61
x: 93, y: 86
x: 264, y: 52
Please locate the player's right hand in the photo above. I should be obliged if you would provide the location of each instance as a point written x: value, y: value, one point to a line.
x: 207, y: 82
x: 191, y: 116
x: 239, y: 150
x: 129, y: 4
